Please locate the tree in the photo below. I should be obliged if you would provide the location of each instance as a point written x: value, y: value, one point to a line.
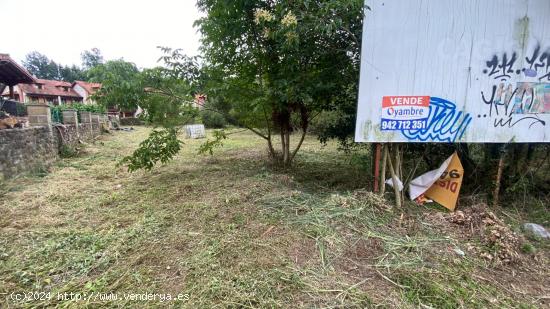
x: 41, y: 66
x: 164, y: 93
x: 91, y: 58
x: 121, y: 84
x: 280, y: 63
x: 269, y: 67
x: 71, y: 73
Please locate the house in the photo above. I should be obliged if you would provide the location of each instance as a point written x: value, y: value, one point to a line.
x: 18, y: 84
x: 86, y: 90
x: 45, y: 91
x: 200, y: 100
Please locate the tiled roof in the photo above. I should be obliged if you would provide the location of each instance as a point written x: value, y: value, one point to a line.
x: 90, y: 88
x: 12, y: 73
x: 49, y: 88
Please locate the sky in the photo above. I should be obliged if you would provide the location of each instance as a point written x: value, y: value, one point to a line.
x: 63, y: 29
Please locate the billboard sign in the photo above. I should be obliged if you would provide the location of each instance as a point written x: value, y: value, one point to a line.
x: 455, y: 71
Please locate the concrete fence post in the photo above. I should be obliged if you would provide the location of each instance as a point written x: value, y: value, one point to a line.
x: 39, y: 115
x: 86, y: 120
x: 95, y: 118
x: 96, y: 125
x: 86, y: 117
x: 70, y: 117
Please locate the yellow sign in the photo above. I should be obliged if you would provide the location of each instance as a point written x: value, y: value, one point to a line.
x: 446, y: 189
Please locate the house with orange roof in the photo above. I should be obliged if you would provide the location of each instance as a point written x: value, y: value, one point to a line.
x: 86, y: 90
x: 45, y: 91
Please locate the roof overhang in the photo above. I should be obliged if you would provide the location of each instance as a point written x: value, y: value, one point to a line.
x: 12, y: 73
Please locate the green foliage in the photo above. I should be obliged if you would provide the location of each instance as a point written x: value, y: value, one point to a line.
x: 121, y: 85
x: 213, y: 119
x: 57, y: 111
x: 168, y: 96
x: 528, y: 248
x: 272, y: 61
x: 67, y: 152
x: 161, y: 145
x: 42, y: 67
x: 91, y: 58
x: 94, y: 108
x: 57, y: 114
x: 323, y: 122
x: 71, y: 73
x: 164, y: 93
x: 210, y: 145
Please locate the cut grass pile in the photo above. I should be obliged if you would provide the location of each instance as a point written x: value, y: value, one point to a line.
x: 230, y: 230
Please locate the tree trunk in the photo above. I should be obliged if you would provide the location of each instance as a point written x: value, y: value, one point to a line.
x: 282, y: 121
x: 304, y: 116
x: 394, y: 177
x: 272, y: 154
x: 286, y: 150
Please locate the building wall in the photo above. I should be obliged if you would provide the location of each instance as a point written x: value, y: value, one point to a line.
x: 82, y: 92
x: 36, y: 148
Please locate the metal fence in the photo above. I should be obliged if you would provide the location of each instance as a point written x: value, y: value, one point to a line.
x: 57, y: 115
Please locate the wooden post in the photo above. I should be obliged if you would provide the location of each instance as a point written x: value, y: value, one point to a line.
x: 377, y: 166
x: 500, y: 170
x: 12, y: 95
x: 399, y: 167
x: 394, y: 177
x: 385, y: 150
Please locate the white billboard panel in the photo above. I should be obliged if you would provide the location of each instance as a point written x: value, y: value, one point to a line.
x: 474, y: 71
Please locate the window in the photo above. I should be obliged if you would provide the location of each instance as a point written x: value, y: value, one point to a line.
x: 39, y: 86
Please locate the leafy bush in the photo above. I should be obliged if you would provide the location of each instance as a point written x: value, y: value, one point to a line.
x: 213, y: 120
x: 57, y: 111
x: 94, y: 108
x: 159, y: 146
x: 67, y: 152
x: 323, y: 122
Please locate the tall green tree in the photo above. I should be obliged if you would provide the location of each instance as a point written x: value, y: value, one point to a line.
x: 41, y: 66
x: 121, y: 84
x: 270, y: 66
x: 91, y: 58
x: 280, y: 63
x: 72, y: 73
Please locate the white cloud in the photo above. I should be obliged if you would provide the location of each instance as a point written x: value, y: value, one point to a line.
x: 62, y: 29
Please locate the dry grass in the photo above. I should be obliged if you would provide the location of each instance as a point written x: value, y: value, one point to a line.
x: 232, y: 231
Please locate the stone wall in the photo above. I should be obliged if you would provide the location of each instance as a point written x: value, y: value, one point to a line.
x: 36, y: 148
x: 26, y: 150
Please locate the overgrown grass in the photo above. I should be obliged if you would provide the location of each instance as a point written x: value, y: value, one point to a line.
x: 230, y: 230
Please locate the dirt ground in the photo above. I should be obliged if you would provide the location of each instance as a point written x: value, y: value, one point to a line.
x: 230, y: 230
